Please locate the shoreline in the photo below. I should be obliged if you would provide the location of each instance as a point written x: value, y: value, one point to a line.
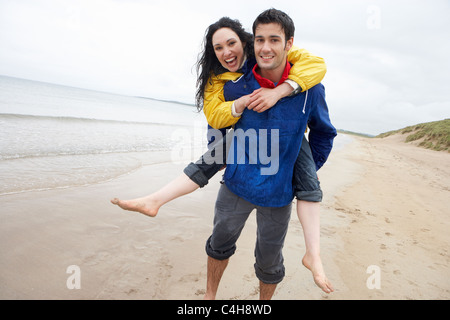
x: 379, y: 196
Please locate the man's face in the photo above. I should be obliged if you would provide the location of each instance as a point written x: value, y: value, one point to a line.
x: 271, y: 47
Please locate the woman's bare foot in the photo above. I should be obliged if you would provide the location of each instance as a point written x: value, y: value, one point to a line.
x: 314, y: 264
x: 146, y: 205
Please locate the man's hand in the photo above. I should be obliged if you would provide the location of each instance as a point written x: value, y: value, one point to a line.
x: 263, y: 99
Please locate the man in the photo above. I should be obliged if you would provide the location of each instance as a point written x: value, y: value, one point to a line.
x: 250, y: 182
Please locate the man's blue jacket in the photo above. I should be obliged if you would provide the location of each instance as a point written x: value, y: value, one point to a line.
x: 261, y: 159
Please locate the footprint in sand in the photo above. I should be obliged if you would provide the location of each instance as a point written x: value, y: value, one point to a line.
x: 103, y: 229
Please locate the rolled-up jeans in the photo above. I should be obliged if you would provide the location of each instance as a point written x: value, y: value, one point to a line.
x: 231, y: 213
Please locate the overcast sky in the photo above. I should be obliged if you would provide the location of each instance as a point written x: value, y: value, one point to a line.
x: 388, y: 61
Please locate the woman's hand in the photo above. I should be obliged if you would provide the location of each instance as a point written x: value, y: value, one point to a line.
x: 264, y: 98
x: 241, y: 103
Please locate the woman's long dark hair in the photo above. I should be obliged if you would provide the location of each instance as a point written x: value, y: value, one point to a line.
x: 207, y: 64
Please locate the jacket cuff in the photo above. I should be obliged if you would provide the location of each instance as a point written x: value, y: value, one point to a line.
x: 234, y: 113
x: 295, y: 87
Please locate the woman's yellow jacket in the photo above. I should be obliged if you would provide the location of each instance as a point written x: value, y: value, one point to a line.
x: 307, y: 70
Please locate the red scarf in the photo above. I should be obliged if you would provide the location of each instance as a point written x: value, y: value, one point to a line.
x: 266, y: 83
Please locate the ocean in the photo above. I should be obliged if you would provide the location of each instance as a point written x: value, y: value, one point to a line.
x: 53, y: 136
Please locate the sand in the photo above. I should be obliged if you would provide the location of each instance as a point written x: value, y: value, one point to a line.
x: 385, y: 208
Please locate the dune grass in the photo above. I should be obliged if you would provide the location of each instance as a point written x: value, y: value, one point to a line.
x: 431, y: 135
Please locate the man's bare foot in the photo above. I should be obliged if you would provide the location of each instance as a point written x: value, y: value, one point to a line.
x: 145, y: 206
x: 314, y: 264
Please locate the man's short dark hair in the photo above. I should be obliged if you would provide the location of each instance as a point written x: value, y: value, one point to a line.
x: 279, y: 17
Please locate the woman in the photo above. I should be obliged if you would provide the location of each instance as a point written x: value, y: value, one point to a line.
x: 226, y: 48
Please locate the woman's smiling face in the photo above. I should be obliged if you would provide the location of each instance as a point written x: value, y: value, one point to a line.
x: 229, y: 49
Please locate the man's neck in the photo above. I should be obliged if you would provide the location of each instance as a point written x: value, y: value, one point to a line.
x: 272, y: 75
x: 271, y: 78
